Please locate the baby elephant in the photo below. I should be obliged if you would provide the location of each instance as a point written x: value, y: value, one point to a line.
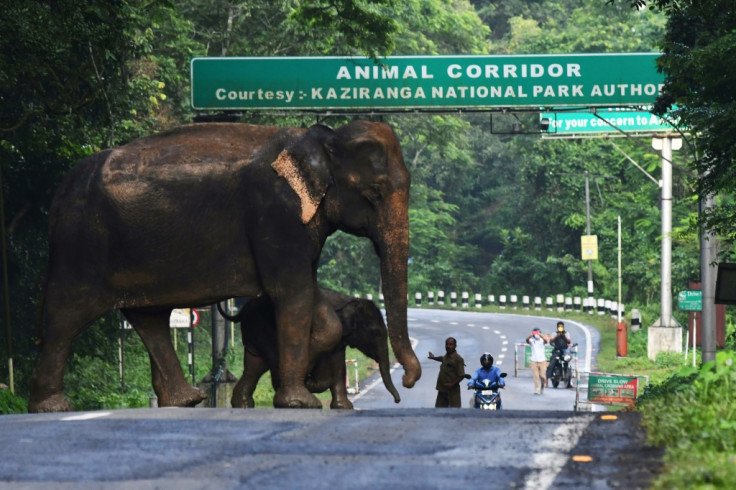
x: 362, y: 328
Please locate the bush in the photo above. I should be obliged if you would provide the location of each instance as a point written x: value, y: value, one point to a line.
x: 666, y: 360
x: 10, y: 403
x: 692, y: 413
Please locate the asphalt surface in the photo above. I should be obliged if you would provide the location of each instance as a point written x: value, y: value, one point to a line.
x: 536, y: 442
x: 306, y: 449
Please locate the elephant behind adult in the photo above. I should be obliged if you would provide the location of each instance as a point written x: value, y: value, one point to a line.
x: 205, y: 212
x: 362, y: 328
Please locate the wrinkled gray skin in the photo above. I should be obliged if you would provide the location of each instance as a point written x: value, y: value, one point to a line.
x: 363, y: 328
x: 205, y: 212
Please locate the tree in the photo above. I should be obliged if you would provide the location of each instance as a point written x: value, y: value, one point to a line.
x: 73, y: 79
x: 700, y: 94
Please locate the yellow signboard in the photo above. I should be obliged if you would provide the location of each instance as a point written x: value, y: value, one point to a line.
x: 589, y: 246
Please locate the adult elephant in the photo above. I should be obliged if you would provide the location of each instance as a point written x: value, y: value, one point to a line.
x: 205, y: 212
x: 363, y: 328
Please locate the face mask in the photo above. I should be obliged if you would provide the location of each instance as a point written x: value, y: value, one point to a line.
x: 536, y: 335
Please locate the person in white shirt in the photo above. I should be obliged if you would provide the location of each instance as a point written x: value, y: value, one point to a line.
x: 539, y: 360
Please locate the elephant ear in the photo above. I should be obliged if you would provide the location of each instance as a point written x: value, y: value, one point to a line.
x: 304, y: 165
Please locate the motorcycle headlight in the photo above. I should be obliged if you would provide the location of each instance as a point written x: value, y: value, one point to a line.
x: 567, y: 357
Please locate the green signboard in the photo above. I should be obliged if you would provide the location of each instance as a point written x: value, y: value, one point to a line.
x: 608, y: 120
x: 690, y: 300
x: 611, y: 388
x: 424, y: 82
x: 528, y: 354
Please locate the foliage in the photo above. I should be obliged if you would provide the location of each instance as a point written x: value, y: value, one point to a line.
x: 361, y: 23
x: 363, y: 275
x: 74, y: 77
x: 699, y: 94
x: 10, y: 403
x: 439, y: 27
x: 692, y: 413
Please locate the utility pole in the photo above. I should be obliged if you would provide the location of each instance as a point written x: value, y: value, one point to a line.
x: 590, y: 262
x: 665, y: 334
x: 708, y: 258
x: 6, y: 290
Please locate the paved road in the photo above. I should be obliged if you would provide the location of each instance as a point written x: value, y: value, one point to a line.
x: 477, y: 333
x: 536, y: 442
x: 393, y: 448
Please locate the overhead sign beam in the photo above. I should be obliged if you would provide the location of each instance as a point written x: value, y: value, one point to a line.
x: 424, y: 82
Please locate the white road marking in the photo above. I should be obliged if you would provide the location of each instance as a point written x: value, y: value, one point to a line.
x: 86, y: 416
x: 554, y: 451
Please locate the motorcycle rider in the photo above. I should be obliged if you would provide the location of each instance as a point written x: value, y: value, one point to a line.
x: 561, y: 341
x: 488, y: 371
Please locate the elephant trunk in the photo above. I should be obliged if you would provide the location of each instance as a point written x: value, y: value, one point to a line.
x: 393, y: 249
x: 384, y: 366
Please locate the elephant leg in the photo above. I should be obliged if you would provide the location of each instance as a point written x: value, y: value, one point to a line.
x: 320, y: 377
x: 167, y: 377
x: 338, y: 389
x: 64, y: 321
x: 253, y: 368
x: 46, y: 389
x: 314, y: 338
x: 329, y: 373
x: 294, y: 325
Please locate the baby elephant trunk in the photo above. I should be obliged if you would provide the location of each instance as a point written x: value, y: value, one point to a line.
x: 384, y: 366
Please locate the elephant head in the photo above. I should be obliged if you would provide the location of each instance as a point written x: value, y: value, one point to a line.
x: 365, y: 330
x: 357, y: 174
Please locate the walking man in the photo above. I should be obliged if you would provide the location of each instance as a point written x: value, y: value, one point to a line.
x: 539, y: 360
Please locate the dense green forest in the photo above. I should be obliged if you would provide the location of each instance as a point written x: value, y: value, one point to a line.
x: 490, y: 213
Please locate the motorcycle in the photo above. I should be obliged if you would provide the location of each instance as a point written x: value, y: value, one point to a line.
x: 562, y: 370
x: 487, y: 396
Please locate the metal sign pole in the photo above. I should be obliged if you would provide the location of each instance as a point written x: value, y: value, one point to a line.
x: 190, y: 341
x: 695, y: 336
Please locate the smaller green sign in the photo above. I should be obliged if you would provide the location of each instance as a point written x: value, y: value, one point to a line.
x: 690, y: 300
x: 603, y: 388
x: 528, y: 354
x: 604, y: 121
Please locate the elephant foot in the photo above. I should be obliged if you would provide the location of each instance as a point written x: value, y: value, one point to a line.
x: 295, y: 397
x: 240, y: 400
x: 54, y: 403
x: 188, y: 397
x: 341, y: 404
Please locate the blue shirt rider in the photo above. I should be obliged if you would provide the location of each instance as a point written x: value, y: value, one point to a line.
x: 487, y: 371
